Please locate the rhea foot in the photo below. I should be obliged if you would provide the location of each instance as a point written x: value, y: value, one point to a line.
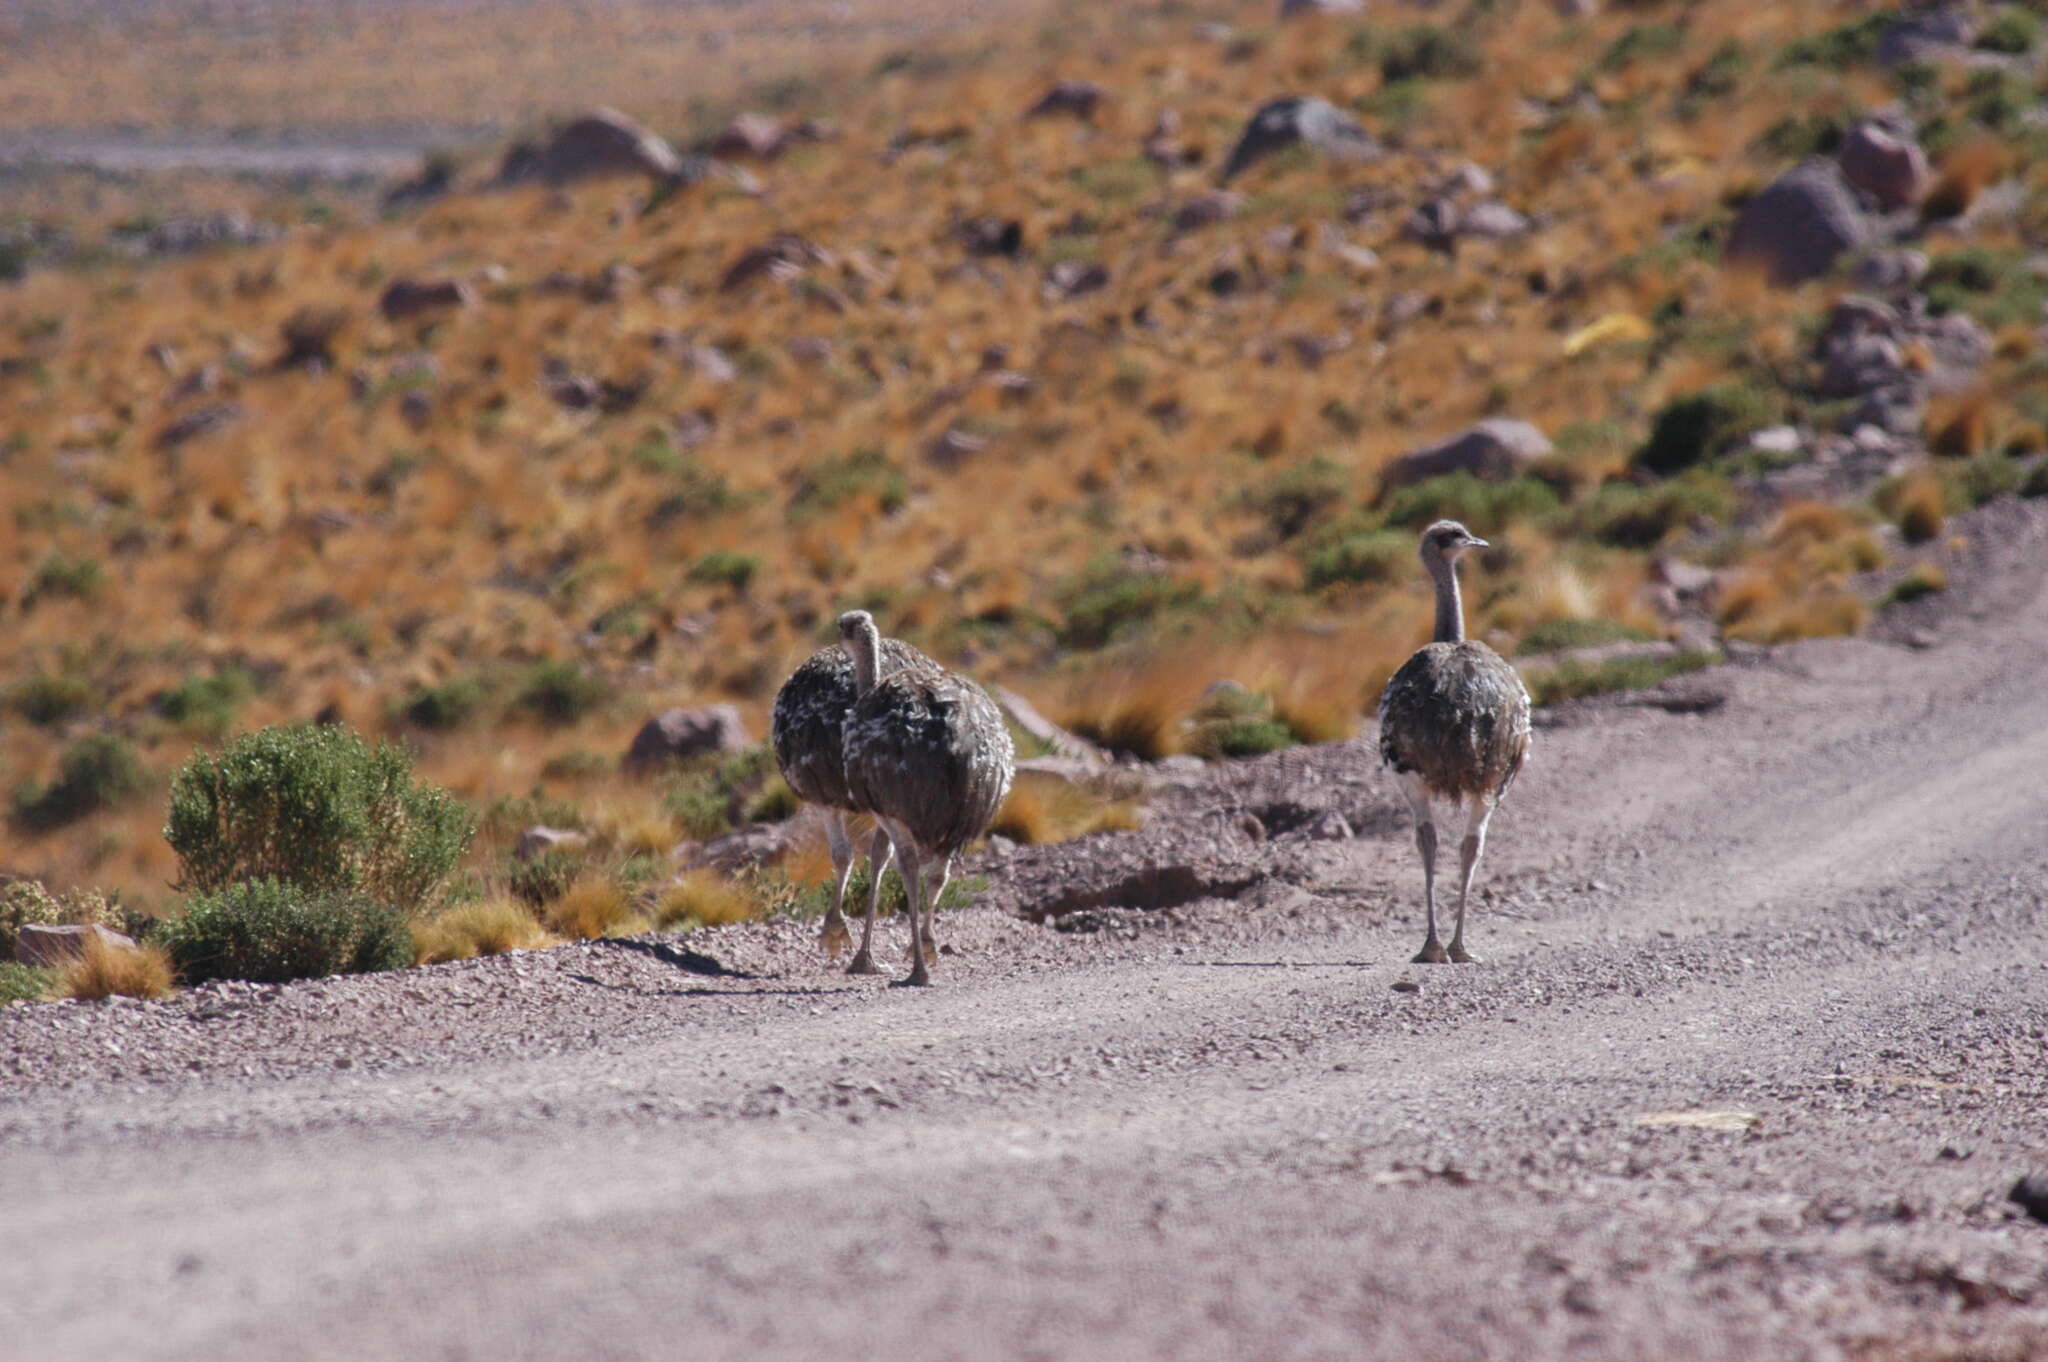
x: 1432, y: 953
x: 834, y: 939
x: 919, y: 977
x: 864, y: 964
x: 1460, y: 956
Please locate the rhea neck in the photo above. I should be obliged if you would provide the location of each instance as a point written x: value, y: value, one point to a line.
x: 1450, y: 610
x: 864, y: 643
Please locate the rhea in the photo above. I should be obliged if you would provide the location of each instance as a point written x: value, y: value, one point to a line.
x: 1454, y: 726
x: 809, y: 736
x: 928, y: 754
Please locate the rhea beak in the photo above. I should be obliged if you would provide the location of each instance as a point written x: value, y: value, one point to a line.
x: 1474, y: 542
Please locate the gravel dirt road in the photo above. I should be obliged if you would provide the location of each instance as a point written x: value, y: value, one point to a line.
x: 1804, y: 892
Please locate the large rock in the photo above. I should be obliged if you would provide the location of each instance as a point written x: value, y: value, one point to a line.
x: 1928, y: 36
x: 405, y: 298
x: 603, y: 142
x: 1888, y: 166
x: 677, y: 734
x: 1494, y: 450
x: 1797, y: 226
x: 55, y: 947
x: 1070, y: 99
x: 1299, y: 120
x: 540, y: 839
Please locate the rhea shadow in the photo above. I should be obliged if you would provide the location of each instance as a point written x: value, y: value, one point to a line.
x: 1279, y: 964
x: 764, y: 992
x: 682, y: 957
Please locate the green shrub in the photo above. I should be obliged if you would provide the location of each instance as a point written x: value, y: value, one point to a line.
x: 49, y: 697
x: 2036, y: 484
x: 1640, y: 42
x: 271, y: 931
x: 1242, y: 736
x: 1705, y: 425
x: 1108, y: 600
x: 62, y: 576
x: 1370, y: 556
x: 1293, y: 499
x: 319, y: 808
x: 1632, y: 517
x: 24, y: 983
x: 1462, y: 497
x: 2011, y: 31
x: 1839, y: 47
x: 207, y: 704
x: 1416, y: 52
x: 1556, y: 636
x: 830, y: 482
x: 1923, y: 579
x: 1570, y: 680
x: 446, y: 706
x: 1721, y: 73
x: 1994, y: 285
x: 709, y: 795
x: 95, y: 773
x: 560, y: 693
x: 542, y: 879
x: 723, y: 567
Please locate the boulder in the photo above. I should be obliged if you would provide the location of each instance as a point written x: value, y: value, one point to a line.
x: 1884, y: 164
x: 540, y: 839
x: 1073, y: 278
x: 781, y: 257
x: 678, y: 734
x: 1302, y: 9
x: 603, y: 142
x: 1796, y: 226
x: 753, y: 845
x: 1206, y: 210
x: 1299, y: 120
x: 1070, y: 99
x: 404, y: 299
x: 206, y: 420
x: 1890, y: 271
x: 1494, y: 450
x: 760, y: 136
x: 1927, y: 36
x: 309, y: 335
x: 46, y: 947
x: 991, y: 236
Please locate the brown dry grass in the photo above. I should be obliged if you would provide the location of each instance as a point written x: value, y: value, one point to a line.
x: 104, y: 971
x: 703, y: 899
x: 593, y: 908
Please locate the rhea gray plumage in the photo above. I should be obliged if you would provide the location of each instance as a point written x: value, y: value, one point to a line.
x: 808, y: 732
x: 1454, y: 725
x: 928, y: 754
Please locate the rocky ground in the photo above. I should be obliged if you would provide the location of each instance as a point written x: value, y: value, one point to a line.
x: 1759, y: 1050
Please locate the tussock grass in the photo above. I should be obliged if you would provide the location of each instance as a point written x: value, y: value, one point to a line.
x: 1572, y: 680
x: 104, y: 970
x: 704, y: 898
x: 488, y: 927
x: 593, y: 907
x: 1922, y: 579
x: 23, y: 984
x: 1041, y: 810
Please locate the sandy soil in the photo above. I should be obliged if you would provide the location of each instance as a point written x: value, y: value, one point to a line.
x: 1804, y: 892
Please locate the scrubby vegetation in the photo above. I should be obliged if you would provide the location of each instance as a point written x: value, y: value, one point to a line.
x: 271, y: 931
x: 318, y: 808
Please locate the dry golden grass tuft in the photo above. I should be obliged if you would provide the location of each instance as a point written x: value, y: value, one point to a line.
x: 1042, y: 809
x: 104, y: 971
x: 593, y: 908
x: 1918, y: 503
x: 490, y: 927
x: 703, y: 898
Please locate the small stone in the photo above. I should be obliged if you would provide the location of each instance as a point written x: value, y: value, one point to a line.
x: 2031, y: 1193
x: 1407, y: 986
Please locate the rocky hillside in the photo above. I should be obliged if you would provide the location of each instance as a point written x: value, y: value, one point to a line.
x: 1107, y: 363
